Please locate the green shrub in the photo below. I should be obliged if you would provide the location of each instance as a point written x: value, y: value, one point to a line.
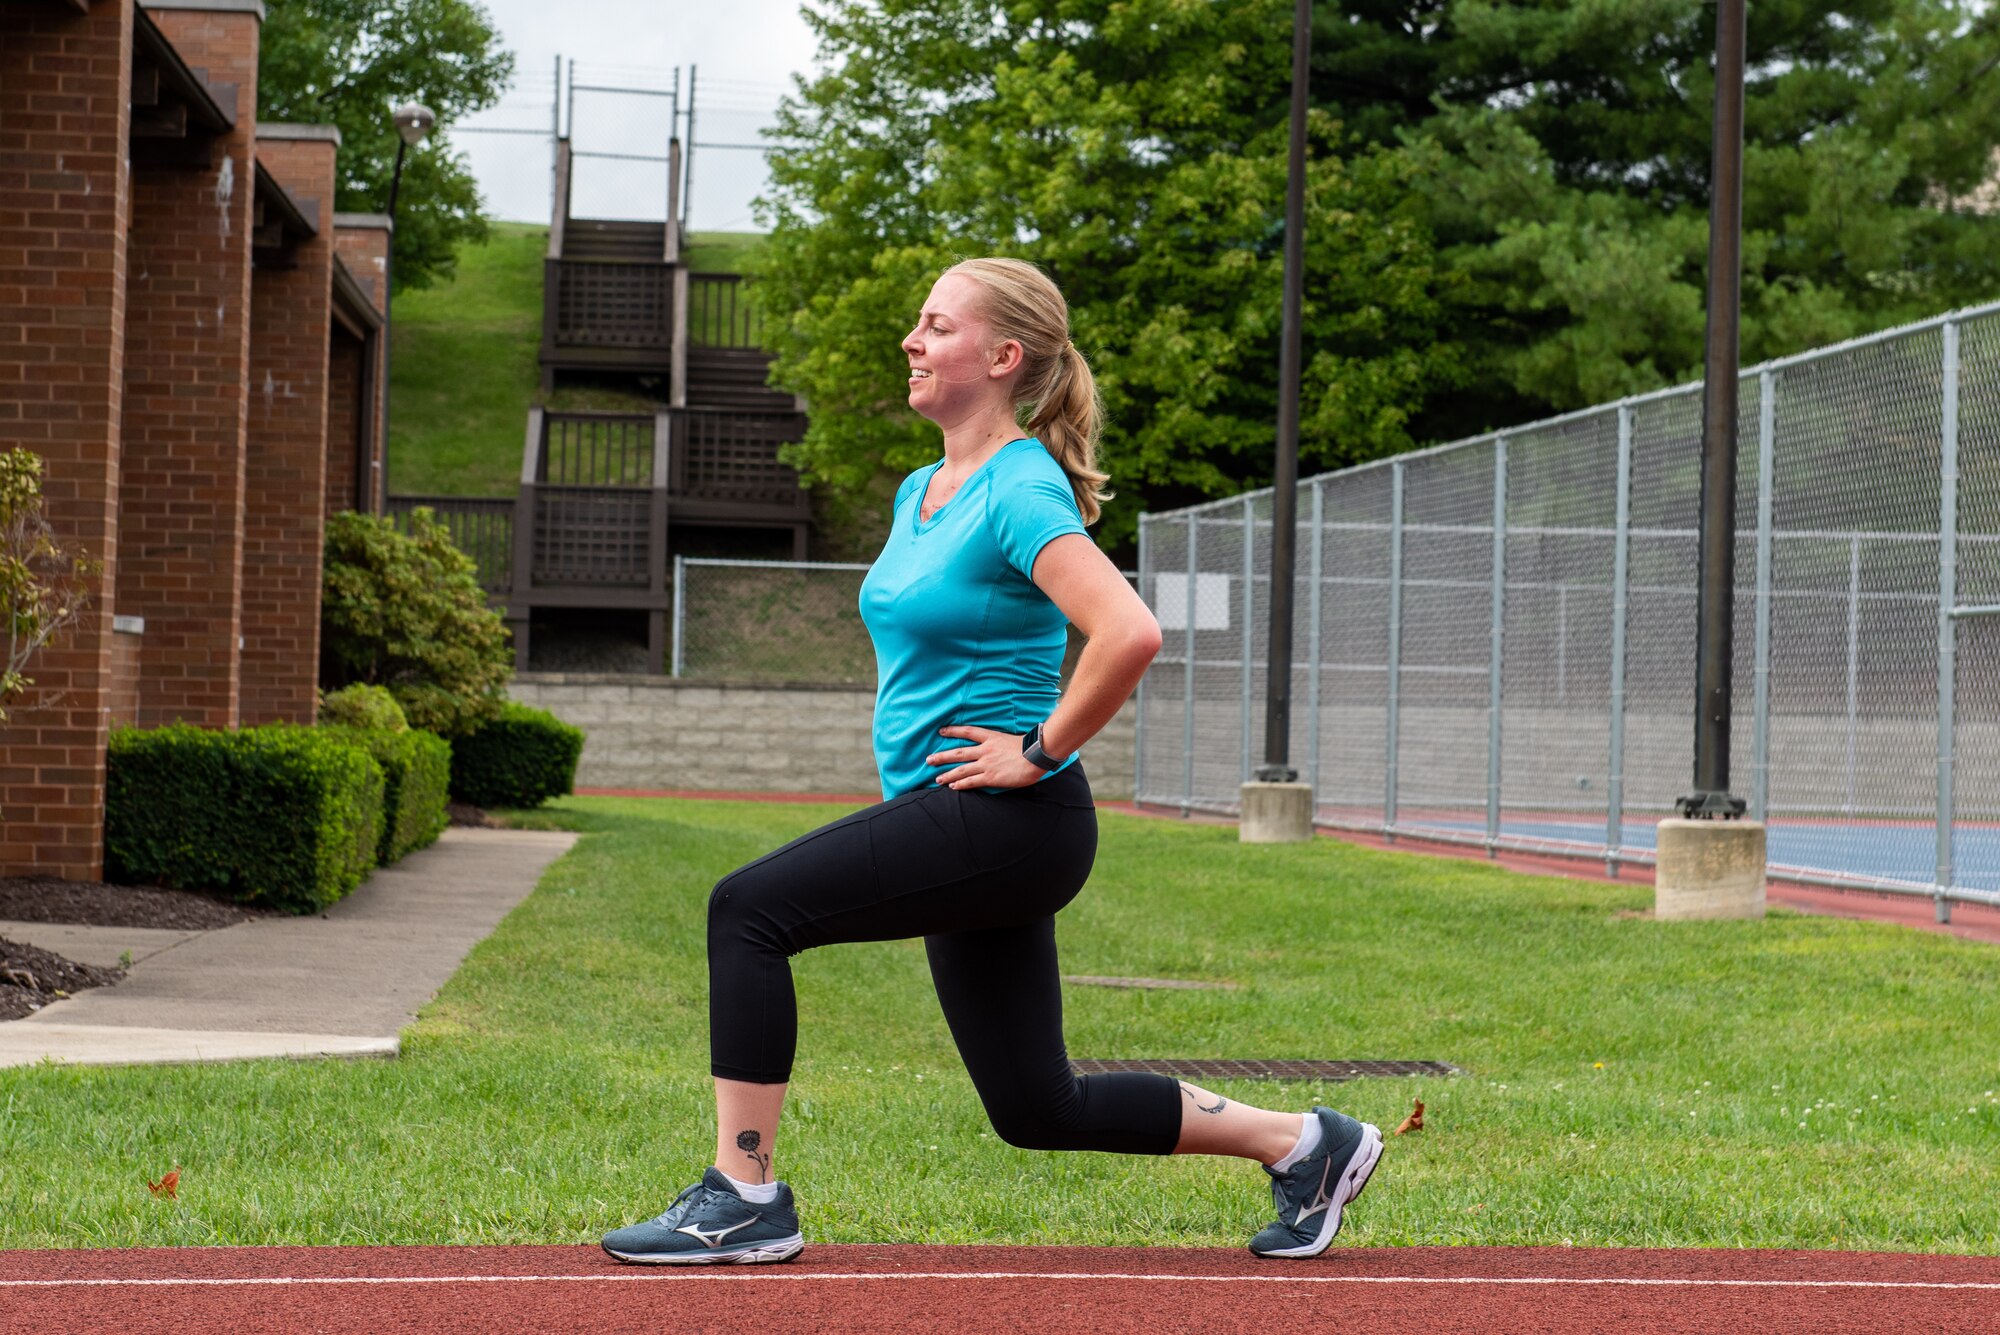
x: 521, y: 759
x: 278, y: 815
x: 363, y: 706
x: 416, y: 771
x: 407, y: 613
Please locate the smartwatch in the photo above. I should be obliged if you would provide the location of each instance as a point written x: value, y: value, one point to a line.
x: 1031, y: 747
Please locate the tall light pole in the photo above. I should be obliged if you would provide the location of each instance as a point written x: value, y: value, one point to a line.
x: 1276, y: 808
x: 1284, y: 490
x: 413, y: 122
x: 1715, y: 602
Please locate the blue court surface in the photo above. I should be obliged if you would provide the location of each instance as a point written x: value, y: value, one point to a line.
x: 1888, y: 850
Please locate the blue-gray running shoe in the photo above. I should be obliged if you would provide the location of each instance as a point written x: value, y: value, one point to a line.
x: 1313, y: 1192
x: 709, y: 1224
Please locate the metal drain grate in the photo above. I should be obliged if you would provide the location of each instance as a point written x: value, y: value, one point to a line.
x: 1188, y: 984
x: 1230, y: 1068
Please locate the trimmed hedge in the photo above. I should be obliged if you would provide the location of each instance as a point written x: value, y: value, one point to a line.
x: 520, y: 759
x: 279, y: 815
x: 416, y: 771
x: 363, y: 706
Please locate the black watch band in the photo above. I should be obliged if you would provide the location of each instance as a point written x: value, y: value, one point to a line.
x: 1031, y: 747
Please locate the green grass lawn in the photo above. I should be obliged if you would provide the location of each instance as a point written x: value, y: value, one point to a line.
x: 1806, y: 1082
x: 463, y: 370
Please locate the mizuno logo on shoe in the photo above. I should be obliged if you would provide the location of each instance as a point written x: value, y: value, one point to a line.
x: 715, y: 1238
x: 1319, y: 1201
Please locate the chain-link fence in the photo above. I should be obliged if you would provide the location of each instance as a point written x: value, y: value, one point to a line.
x: 1498, y: 635
x: 770, y: 620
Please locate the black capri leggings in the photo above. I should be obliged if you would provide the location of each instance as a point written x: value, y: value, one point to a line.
x: 980, y: 877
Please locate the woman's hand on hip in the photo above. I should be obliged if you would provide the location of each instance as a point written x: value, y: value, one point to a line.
x: 994, y: 761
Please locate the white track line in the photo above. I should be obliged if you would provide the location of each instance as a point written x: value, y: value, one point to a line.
x: 747, y: 1274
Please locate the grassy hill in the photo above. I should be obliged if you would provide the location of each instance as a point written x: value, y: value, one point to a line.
x: 463, y: 374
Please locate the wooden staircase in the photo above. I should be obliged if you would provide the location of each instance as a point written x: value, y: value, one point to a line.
x: 600, y: 492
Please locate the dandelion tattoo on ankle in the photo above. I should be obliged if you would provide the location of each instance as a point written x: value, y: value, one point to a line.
x: 1220, y: 1102
x: 748, y: 1142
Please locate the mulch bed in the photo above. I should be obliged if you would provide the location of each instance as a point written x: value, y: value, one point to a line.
x: 31, y: 978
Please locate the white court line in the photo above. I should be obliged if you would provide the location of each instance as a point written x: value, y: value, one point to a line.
x: 746, y: 1274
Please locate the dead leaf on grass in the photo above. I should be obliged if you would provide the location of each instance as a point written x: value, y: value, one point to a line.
x: 1415, y: 1121
x: 168, y: 1186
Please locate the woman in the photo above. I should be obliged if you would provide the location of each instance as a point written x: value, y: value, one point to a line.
x: 987, y: 827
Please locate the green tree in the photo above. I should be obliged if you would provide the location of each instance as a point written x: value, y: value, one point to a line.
x: 406, y: 612
x: 44, y: 586
x: 348, y: 63
x: 1136, y: 149
x: 1508, y: 207
x: 1565, y: 153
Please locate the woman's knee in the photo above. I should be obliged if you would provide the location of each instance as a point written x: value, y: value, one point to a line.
x: 738, y: 910
x: 1030, y: 1125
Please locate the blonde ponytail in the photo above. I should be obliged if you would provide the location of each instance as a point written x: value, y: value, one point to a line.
x: 1056, y: 387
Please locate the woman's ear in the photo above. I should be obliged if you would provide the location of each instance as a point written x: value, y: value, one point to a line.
x: 1006, y: 359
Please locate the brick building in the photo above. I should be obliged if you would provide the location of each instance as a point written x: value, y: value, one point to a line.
x: 191, y: 339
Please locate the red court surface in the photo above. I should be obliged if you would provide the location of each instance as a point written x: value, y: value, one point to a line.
x: 920, y: 1290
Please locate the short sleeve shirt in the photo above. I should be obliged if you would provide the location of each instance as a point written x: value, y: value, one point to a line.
x: 962, y: 634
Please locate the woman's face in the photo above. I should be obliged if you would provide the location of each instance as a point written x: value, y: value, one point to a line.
x: 953, y: 370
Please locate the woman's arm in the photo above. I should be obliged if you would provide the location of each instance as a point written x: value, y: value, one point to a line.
x: 1122, y: 635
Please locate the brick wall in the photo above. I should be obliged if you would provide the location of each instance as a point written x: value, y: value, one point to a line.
x: 65, y: 92
x: 285, y: 514
x: 664, y: 732
x: 343, y: 419
x: 181, y: 500
x: 362, y: 243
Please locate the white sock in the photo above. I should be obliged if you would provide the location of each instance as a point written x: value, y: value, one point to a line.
x: 1308, y: 1142
x: 755, y: 1192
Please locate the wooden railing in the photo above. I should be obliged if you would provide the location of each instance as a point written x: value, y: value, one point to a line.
x: 480, y: 526
x: 608, y: 304
x: 726, y: 455
x: 720, y: 312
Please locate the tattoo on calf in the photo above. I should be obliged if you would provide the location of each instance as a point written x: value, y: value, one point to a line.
x: 748, y: 1142
x: 1220, y: 1102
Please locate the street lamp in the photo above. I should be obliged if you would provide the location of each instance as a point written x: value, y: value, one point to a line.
x: 413, y: 121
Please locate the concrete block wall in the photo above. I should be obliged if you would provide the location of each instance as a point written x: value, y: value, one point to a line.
x: 291, y: 309
x: 665, y: 732
x: 65, y: 118
x: 187, y: 353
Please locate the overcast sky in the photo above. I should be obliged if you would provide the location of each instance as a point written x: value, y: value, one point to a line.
x: 743, y: 53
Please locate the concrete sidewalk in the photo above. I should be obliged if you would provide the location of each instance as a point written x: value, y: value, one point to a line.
x: 342, y: 983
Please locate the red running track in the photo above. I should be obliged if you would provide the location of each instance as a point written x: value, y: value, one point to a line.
x: 925, y: 1290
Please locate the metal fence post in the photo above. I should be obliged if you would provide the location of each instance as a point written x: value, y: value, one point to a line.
x: 1760, y: 746
x: 1498, y: 634
x: 1249, y: 614
x: 1312, y: 644
x: 1395, y: 643
x: 1187, y: 695
x: 1853, y: 657
x: 680, y: 610
x: 1621, y: 546
x: 1947, y: 624
x: 1139, y: 706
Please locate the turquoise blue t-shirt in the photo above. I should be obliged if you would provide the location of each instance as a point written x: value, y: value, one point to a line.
x: 962, y: 634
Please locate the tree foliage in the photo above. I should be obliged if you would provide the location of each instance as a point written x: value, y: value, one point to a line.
x: 44, y: 586
x: 1507, y: 208
x: 348, y: 63
x: 406, y: 612
x: 1137, y: 151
